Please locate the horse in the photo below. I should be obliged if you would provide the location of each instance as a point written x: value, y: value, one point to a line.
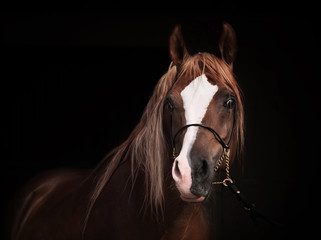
x: 155, y: 184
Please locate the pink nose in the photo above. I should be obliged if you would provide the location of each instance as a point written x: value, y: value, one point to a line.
x: 182, y: 175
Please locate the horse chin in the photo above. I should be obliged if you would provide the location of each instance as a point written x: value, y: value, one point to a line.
x: 193, y: 199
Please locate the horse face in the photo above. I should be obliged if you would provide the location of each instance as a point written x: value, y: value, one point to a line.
x: 198, y: 101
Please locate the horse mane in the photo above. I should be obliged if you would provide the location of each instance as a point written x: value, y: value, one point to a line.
x: 146, y: 146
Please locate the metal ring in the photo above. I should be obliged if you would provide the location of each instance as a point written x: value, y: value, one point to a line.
x: 227, y: 179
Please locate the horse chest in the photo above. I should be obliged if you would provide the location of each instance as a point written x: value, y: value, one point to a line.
x: 190, y: 224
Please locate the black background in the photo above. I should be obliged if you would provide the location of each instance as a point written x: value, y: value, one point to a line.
x: 74, y: 84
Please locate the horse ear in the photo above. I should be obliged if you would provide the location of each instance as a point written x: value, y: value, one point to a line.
x: 177, y: 48
x: 227, y: 44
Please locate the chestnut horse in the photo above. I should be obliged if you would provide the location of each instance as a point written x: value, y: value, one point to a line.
x: 139, y: 191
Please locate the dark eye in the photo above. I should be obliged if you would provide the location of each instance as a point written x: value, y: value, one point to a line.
x: 170, y: 105
x: 229, y: 103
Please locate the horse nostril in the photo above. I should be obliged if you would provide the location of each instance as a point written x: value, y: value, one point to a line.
x: 200, y: 176
x: 204, y: 166
x: 177, y: 171
x: 202, y: 171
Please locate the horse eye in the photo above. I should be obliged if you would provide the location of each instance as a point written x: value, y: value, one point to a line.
x: 170, y: 105
x: 230, y: 102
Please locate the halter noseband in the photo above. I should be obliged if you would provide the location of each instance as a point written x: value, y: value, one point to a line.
x: 226, y: 147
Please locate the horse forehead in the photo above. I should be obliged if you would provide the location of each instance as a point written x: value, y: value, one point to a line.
x: 196, y: 97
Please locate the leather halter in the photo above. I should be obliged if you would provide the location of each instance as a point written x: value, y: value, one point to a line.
x: 227, y: 182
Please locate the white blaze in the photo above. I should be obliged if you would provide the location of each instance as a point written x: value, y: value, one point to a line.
x: 196, y: 97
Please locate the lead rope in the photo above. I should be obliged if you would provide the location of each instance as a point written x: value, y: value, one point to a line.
x: 227, y: 182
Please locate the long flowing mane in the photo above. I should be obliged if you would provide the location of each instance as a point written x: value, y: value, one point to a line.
x: 146, y: 146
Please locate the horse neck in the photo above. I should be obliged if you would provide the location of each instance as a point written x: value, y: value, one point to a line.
x: 178, y: 218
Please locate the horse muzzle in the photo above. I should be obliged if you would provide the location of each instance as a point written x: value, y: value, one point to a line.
x: 193, y: 183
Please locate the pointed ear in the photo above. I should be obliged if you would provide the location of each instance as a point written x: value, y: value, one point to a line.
x: 177, y: 48
x: 227, y: 44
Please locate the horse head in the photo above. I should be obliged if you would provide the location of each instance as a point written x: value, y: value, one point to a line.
x: 203, y: 109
